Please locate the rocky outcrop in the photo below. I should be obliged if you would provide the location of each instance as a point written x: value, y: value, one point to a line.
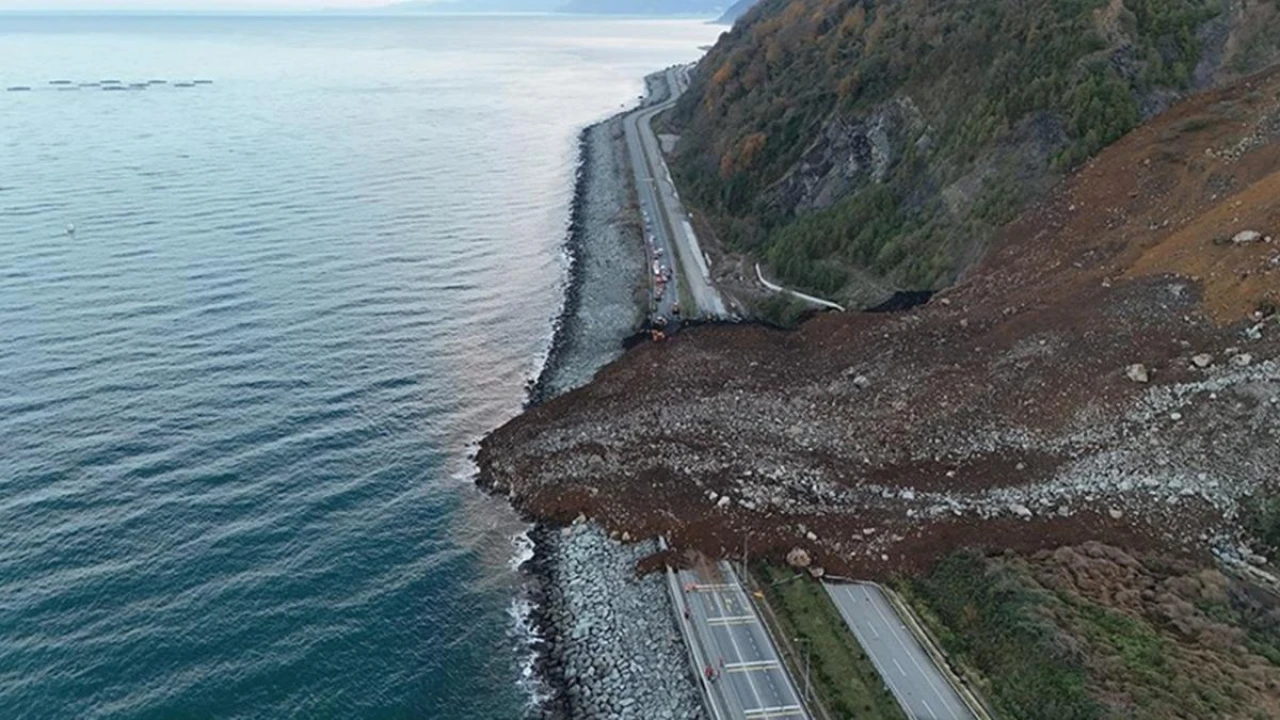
x: 849, y: 153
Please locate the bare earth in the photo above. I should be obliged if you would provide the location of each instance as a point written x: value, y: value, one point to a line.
x: 1001, y: 414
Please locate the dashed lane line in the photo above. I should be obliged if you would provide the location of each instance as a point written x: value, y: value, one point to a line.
x: 928, y: 678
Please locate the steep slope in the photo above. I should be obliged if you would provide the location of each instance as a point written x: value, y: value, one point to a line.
x: 897, y: 135
x: 1109, y: 371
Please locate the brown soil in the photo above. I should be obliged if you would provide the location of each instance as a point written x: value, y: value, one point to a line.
x: 1000, y: 414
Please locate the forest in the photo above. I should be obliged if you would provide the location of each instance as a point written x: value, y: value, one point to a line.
x: 980, y: 72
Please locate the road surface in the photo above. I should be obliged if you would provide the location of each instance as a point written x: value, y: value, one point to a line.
x: 908, y: 670
x: 750, y: 681
x: 667, y: 226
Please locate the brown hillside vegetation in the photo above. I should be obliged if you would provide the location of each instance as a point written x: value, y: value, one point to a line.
x: 1008, y: 412
x: 1092, y: 631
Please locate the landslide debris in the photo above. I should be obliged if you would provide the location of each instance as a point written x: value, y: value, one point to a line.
x: 1002, y: 413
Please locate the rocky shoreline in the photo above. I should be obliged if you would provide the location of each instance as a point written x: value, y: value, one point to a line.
x: 608, y: 644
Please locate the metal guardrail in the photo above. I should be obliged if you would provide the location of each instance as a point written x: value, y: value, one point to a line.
x: 922, y: 636
x: 690, y: 640
x: 778, y: 288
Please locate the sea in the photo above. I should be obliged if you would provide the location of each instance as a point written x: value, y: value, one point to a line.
x: 256, y: 308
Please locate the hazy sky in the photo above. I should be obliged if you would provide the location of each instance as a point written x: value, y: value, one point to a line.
x: 185, y: 4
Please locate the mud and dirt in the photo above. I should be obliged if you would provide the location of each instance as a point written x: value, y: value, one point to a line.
x: 1108, y: 371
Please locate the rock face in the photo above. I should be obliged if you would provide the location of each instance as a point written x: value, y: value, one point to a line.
x: 849, y: 152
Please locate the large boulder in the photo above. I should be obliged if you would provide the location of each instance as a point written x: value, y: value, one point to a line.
x: 799, y: 557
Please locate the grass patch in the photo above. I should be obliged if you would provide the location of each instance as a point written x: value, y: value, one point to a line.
x: 842, y: 675
x: 995, y: 623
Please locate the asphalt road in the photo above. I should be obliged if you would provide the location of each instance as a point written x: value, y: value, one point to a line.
x: 667, y: 228
x: 907, y: 669
x: 750, y: 682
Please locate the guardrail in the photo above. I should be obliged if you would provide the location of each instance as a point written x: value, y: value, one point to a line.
x: 690, y: 641
x: 778, y: 288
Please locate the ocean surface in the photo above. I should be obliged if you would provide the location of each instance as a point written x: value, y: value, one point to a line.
x: 249, y: 330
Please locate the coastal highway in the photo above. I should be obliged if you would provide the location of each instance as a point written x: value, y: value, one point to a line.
x: 907, y: 669
x: 748, y: 679
x: 666, y: 222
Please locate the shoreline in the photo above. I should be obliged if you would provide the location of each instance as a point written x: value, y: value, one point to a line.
x: 604, y: 640
x: 539, y: 568
x: 538, y: 390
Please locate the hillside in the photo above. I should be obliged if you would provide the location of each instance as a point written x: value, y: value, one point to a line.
x: 1110, y: 370
x: 826, y: 136
x: 735, y: 11
x: 1094, y: 632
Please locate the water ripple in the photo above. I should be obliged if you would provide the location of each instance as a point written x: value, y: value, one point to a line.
x: 235, y: 399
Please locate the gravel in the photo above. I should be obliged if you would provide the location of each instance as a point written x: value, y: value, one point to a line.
x: 604, y: 302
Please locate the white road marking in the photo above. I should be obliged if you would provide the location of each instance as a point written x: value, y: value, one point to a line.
x: 752, y: 665
x: 928, y: 677
x: 874, y: 660
x: 780, y: 711
x: 734, y: 620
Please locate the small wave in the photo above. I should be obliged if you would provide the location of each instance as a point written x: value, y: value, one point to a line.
x: 525, y: 631
x: 523, y: 545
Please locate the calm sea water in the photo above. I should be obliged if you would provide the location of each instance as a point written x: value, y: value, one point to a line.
x: 236, y: 401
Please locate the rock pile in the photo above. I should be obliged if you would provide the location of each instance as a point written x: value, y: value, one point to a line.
x: 615, y: 650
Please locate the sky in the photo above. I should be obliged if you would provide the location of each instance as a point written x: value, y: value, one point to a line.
x: 185, y: 4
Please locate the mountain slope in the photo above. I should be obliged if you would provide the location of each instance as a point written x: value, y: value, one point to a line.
x: 897, y: 135
x: 1110, y: 371
x: 735, y: 11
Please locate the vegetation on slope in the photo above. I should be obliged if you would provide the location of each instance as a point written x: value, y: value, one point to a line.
x: 992, y: 619
x: 1091, y: 632
x: 953, y: 113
